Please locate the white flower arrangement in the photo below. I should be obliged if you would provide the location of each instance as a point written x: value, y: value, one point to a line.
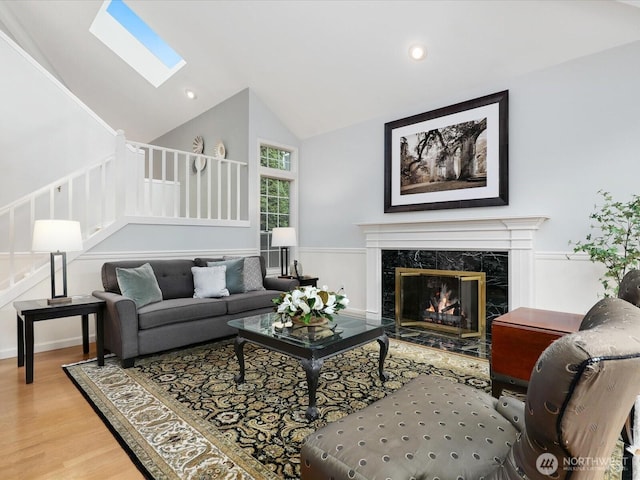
x: 308, y: 302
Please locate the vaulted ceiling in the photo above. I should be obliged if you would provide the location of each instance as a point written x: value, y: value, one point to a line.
x: 318, y: 65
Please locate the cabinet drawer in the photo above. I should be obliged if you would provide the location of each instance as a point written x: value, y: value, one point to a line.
x: 515, y: 350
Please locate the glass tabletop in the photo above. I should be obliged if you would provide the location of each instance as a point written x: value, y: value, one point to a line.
x: 342, y: 327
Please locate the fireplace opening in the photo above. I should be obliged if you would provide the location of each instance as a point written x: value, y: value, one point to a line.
x: 447, y: 301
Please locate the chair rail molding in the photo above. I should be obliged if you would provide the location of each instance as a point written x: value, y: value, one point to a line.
x: 514, y: 235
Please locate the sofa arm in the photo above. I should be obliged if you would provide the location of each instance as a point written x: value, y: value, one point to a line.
x: 120, y: 326
x: 282, y: 284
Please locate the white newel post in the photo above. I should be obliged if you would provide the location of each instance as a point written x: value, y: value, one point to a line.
x: 514, y: 235
x: 121, y: 190
x: 129, y: 168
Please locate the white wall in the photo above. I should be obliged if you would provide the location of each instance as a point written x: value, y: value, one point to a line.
x: 36, y: 108
x: 573, y: 130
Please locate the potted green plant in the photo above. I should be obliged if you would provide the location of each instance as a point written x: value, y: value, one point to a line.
x: 616, y: 240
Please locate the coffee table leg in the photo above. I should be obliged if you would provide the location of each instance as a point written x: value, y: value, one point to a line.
x: 383, y: 340
x: 238, y: 347
x: 312, y: 369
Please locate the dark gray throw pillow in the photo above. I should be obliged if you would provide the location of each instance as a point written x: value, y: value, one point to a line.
x: 234, y: 274
x: 139, y: 284
x: 251, y: 273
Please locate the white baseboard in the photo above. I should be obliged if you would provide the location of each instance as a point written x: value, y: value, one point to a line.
x: 48, y: 346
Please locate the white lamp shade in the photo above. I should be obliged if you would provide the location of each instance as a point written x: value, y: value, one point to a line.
x: 283, y: 237
x: 56, y: 236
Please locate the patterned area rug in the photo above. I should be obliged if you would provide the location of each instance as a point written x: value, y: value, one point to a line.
x: 182, y: 416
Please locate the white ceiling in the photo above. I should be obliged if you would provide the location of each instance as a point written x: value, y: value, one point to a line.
x: 318, y: 65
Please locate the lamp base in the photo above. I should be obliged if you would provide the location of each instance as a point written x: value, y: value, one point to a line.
x: 284, y: 261
x: 59, y: 300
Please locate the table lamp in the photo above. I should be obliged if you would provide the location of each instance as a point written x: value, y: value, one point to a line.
x: 57, y: 237
x: 284, y: 237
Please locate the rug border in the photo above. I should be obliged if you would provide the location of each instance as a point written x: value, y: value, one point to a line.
x: 128, y: 450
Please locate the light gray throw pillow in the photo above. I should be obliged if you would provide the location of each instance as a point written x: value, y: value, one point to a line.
x: 139, y: 284
x: 210, y: 282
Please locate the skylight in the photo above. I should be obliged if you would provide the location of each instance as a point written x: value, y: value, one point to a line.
x: 129, y: 37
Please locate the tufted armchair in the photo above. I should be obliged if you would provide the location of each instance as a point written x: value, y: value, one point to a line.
x: 629, y: 289
x: 580, y: 393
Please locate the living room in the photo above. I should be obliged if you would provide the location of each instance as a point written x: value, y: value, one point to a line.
x: 573, y: 126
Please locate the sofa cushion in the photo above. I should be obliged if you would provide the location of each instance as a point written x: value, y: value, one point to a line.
x: 174, y: 276
x: 210, y: 282
x: 244, y: 302
x: 139, y: 284
x: 179, y: 310
x: 233, y: 275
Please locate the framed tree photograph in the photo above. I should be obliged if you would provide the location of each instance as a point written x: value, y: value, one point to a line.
x: 452, y: 157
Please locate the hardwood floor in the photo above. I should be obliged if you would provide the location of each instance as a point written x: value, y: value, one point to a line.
x: 47, y: 428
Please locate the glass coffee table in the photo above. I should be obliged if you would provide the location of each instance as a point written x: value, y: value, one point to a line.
x: 310, y: 344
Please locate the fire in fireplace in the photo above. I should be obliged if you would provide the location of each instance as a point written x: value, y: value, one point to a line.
x: 448, y: 301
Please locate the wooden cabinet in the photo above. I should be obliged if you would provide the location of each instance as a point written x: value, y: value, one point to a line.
x: 517, y: 340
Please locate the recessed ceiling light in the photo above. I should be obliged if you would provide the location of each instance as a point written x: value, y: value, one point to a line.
x: 417, y: 52
x: 190, y: 94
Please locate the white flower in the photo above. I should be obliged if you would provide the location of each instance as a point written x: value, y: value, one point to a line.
x: 310, y: 301
x: 285, y: 305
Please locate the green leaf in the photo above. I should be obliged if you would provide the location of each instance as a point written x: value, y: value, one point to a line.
x: 615, y: 241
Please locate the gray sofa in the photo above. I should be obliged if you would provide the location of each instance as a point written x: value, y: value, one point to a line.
x: 178, y: 319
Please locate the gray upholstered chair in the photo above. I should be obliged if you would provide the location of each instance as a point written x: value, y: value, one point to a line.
x: 580, y: 392
x: 629, y: 289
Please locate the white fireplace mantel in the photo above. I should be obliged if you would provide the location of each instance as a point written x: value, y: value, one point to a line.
x: 512, y: 234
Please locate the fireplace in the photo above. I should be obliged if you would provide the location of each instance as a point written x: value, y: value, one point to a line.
x: 447, y: 301
x: 447, y: 244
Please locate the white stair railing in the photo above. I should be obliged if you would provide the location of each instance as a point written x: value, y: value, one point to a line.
x: 139, y: 181
x: 185, y: 185
x: 86, y: 195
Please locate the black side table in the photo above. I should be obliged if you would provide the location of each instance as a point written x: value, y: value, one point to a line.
x: 304, y: 280
x: 30, y: 311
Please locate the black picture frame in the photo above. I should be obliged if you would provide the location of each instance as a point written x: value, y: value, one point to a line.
x: 451, y: 157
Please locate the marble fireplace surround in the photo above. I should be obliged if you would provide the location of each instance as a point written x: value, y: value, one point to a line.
x: 514, y: 235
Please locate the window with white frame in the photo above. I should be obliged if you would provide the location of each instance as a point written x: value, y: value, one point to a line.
x: 277, y: 194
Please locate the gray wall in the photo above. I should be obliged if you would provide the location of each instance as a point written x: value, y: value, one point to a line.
x: 573, y: 130
x: 227, y: 122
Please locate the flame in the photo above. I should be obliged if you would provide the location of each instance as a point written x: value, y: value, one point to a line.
x: 443, y: 300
